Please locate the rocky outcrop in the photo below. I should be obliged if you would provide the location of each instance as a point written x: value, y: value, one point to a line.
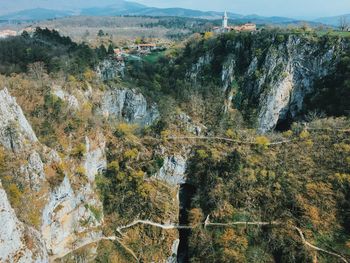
x: 173, y: 170
x: 34, y: 171
x: 72, y: 101
x: 15, y: 131
x: 71, y: 214
x: 270, y: 74
x: 14, y: 235
x: 95, y: 157
x: 280, y: 79
x: 110, y: 69
x: 73, y: 218
x: 202, y: 61
x: 189, y: 125
x: 173, y: 257
x: 70, y: 218
x: 129, y: 106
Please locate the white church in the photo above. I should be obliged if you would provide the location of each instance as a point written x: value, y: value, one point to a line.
x: 226, y: 28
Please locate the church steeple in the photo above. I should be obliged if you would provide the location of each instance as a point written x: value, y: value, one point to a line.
x: 225, y: 20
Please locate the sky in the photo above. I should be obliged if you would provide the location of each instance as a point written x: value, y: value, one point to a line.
x: 289, y: 8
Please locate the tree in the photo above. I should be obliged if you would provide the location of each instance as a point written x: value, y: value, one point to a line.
x: 100, y: 33
x: 208, y: 35
x: 110, y: 49
x: 343, y: 23
x: 37, y: 70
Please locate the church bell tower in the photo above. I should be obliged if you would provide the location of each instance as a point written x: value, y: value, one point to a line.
x: 225, y: 20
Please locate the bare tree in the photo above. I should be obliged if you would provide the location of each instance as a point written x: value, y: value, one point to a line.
x: 37, y: 70
x: 343, y: 23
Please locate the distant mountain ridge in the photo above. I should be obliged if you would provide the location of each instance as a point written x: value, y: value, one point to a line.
x: 120, y: 8
x: 37, y: 14
x: 333, y: 20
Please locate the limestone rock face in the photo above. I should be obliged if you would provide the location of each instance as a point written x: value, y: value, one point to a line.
x: 110, y: 69
x: 13, y: 234
x: 173, y: 170
x: 71, y: 100
x: 202, y: 61
x: 280, y: 79
x: 173, y: 257
x: 34, y: 171
x: 189, y: 125
x: 69, y: 218
x: 95, y: 158
x: 72, y: 214
x: 130, y: 106
x: 15, y: 130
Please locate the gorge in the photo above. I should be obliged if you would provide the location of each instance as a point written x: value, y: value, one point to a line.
x: 230, y: 148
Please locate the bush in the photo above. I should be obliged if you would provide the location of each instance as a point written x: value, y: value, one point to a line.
x: 202, y: 154
x: 95, y: 211
x: 79, y: 151
x: 131, y: 153
x: 55, y: 174
x: 304, y: 135
x: 262, y: 141
x: 81, y: 171
x: 125, y: 130
x: 15, y: 195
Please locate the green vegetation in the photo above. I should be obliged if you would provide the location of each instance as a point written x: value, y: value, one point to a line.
x: 154, y: 57
x: 58, y: 53
x: 333, y: 91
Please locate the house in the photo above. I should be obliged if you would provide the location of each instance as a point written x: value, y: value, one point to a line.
x: 146, y: 47
x: 245, y: 27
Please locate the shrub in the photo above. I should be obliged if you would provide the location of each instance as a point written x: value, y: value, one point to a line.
x: 95, y: 211
x: 15, y: 195
x: 81, y: 171
x: 79, y: 151
x: 202, y: 154
x: 230, y: 134
x: 131, y: 153
x: 304, y: 135
x: 55, y: 174
x: 34, y: 217
x: 125, y: 129
x: 262, y: 141
x: 113, y: 166
x: 195, y: 216
x: 288, y: 134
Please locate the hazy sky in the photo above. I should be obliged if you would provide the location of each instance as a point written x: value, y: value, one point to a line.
x: 291, y: 8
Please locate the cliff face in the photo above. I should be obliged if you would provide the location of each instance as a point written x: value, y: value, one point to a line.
x: 110, y: 69
x: 15, y: 131
x: 128, y: 105
x: 14, y: 234
x: 67, y: 202
x: 173, y: 170
x: 71, y: 212
x: 270, y: 75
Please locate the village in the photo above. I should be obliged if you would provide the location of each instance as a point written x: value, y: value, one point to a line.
x: 144, y: 47
x: 248, y: 27
x: 137, y: 50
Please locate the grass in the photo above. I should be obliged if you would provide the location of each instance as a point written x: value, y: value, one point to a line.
x: 333, y: 33
x: 154, y: 57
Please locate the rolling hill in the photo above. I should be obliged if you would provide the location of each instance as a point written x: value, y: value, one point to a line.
x: 122, y: 8
x: 333, y: 20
